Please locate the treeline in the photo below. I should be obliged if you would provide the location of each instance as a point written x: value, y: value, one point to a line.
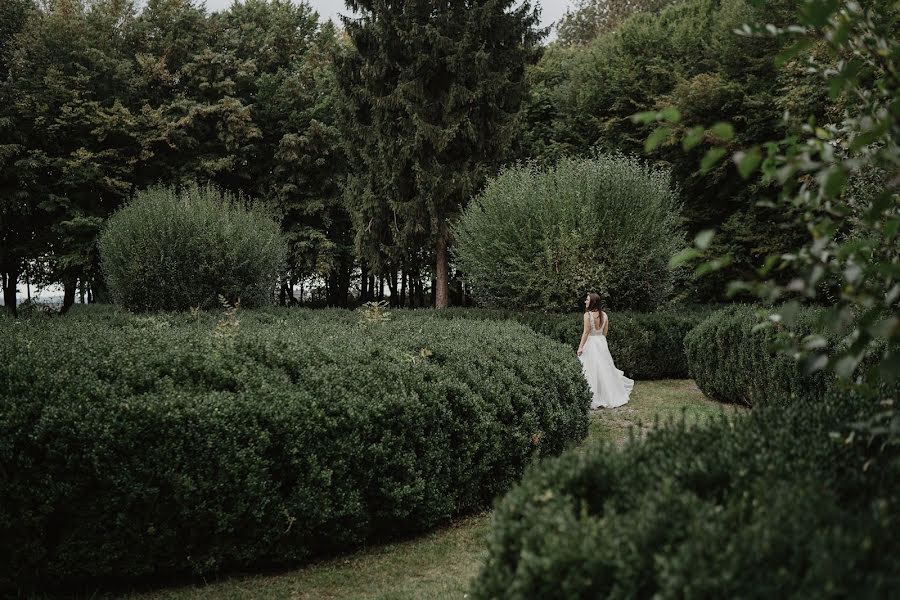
x: 100, y: 100
x: 368, y: 139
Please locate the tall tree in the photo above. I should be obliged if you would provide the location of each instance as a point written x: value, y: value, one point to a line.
x: 18, y: 223
x: 68, y: 80
x: 431, y: 93
x: 685, y: 56
x: 297, y: 163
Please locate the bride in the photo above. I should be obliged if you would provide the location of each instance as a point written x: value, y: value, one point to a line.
x: 609, y: 386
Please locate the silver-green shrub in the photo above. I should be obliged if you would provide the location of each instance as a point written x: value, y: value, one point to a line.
x: 539, y: 239
x: 174, y: 249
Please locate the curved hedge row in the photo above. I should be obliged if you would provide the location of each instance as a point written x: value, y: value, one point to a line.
x: 733, y: 363
x: 768, y: 505
x: 141, y: 445
x: 643, y: 345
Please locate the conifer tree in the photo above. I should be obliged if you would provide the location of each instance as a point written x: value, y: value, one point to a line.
x: 431, y: 92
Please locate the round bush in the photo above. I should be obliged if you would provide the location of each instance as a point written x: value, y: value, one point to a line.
x: 174, y: 249
x: 768, y: 505
x: 733, y: 361
x: 138, y: 445
x: 540, y: 239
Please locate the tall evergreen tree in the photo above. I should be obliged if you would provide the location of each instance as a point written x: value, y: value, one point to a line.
x: 431, y: 92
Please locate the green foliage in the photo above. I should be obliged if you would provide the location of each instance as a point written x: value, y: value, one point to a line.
x: 734, y: 360
x: 70, y: 139
x: 591, y: 18
x: 768, y: 505
x: 643, y: 345
x: 833, y: 179
x: 429, y: 99
x: 540, y: 239
x: 139, y: 445
x: 98, y: 99
x: 686, y: 57
x: 172, y: 249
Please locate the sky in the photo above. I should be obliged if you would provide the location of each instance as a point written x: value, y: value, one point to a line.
x: 551, y: 10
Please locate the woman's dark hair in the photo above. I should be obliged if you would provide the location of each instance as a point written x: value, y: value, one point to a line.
x: 593, y: 302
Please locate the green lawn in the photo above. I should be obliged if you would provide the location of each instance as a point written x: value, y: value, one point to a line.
x: 441, y: 564
x: 653, y: 401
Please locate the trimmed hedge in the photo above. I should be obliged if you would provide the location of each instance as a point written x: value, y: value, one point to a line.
x: 135, y: 446
x: 763, y: 506
x: 731, y: 362
x: 643, y: 345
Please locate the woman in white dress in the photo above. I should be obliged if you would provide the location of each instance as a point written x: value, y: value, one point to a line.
x: 609, y: 386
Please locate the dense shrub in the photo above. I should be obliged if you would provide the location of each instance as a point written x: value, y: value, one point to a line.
x: 539, y: 239
x: 193, y: 443
x: 733, y: 361
x: 767, y: 505
x: 643, y: 345
x: 171, y: 249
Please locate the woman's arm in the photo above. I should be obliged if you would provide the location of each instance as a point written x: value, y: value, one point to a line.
x: 584, y: 333
x: 605, y: 324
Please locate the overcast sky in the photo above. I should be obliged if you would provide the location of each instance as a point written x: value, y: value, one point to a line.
x: 551, y: 10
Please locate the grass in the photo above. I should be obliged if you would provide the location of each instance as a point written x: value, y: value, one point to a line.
x: 655, y: 402
x: 440, y: 565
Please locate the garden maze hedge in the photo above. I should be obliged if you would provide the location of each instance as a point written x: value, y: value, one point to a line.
x: 765, y: 506
x: 780, y: 503
x: 734, y: 361
x: 134, y: 446
x: 643, y: 345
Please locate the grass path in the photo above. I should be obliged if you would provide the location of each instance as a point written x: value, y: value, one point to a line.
x: 440, y: 565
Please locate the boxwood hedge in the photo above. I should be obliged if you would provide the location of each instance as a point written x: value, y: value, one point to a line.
x: 643, y: 345
x: 135, y: 446
x: 733, y: 362
x: 763, y: 506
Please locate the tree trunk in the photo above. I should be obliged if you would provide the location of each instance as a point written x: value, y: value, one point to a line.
x: 344, y: 283
x: 420, y: 292
x: 363, y: 283
x: 404, y: 278
x: 381, y: 287
x: 81, y: 290
x: 392, y: 287
x: 99, y: 291
x: 69, y: 288
x: 441, y: 274
x: 10, y: 281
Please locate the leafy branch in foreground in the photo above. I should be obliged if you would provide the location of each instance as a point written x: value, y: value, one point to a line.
x: 842, y: 178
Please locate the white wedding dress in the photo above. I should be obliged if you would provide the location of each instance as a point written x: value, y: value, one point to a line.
x: 609, y: 386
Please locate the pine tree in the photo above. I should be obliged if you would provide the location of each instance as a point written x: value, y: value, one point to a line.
x: 431, y: 92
